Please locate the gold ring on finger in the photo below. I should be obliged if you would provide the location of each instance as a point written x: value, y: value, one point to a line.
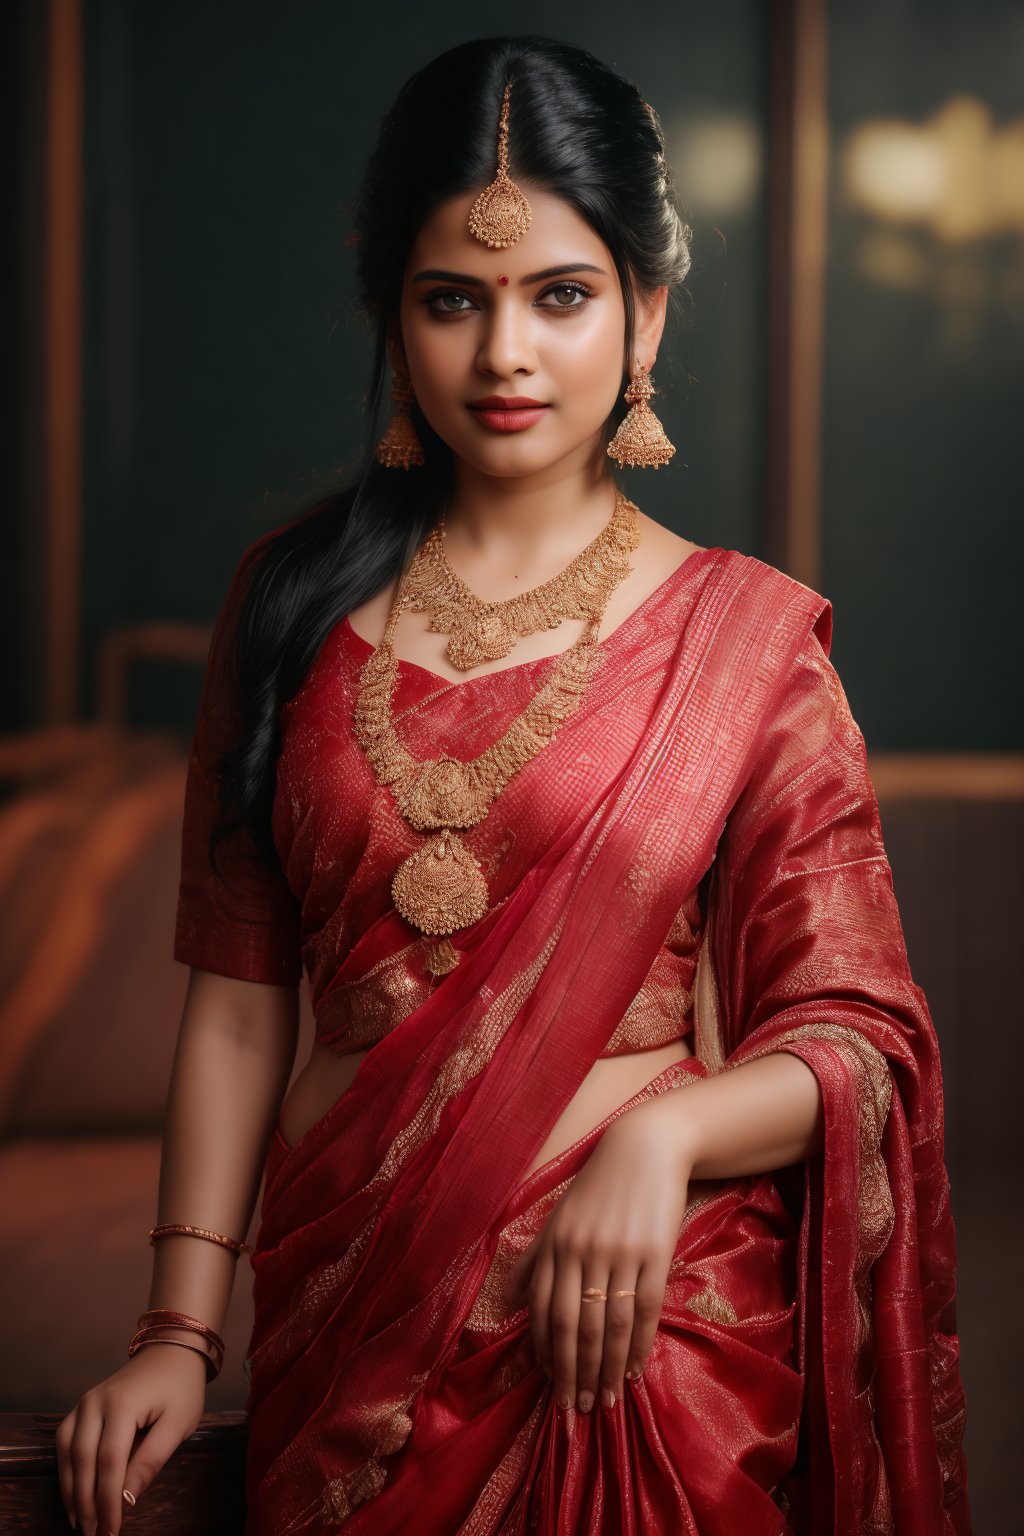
x: 594, y: 1293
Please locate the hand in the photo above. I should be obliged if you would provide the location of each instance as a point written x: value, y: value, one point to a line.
x: 162, y: 1387
x: 616, y: 1227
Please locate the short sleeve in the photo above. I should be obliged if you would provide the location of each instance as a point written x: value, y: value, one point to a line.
x: 241, y: 920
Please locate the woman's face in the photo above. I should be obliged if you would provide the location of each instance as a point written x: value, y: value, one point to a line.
x: 554, y: 332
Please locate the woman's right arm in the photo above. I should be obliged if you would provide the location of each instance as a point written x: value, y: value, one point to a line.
x: 235, y: 1051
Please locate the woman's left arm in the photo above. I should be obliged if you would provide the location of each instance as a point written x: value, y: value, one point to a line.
x: 618, y: 1223
x: 752, y: 1118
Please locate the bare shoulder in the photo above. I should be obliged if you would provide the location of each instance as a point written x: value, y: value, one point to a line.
x: 660, y: 550
x: 368, y: 619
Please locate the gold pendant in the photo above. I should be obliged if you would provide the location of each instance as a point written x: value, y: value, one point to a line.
x: 441, y: 886
x: 443, y: 792
x: 479, y: 638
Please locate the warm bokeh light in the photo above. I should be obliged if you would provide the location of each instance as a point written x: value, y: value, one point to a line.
x: 957, y: 173
x: 717, y: 161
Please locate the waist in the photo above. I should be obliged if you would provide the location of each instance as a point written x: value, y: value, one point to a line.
x: 609, y: 1082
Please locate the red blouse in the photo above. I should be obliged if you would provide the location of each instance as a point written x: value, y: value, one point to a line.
x: 341, y: 838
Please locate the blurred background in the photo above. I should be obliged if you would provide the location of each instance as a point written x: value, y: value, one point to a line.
x: 188, y: 367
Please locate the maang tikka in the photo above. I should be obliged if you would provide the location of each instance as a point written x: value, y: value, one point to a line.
x: 501, y: 215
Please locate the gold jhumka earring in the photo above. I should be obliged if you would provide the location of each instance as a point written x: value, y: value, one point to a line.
x: 400, y: 448
x: 641, y: 441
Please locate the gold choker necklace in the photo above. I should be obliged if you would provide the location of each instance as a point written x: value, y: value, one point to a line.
x: 480, y: 631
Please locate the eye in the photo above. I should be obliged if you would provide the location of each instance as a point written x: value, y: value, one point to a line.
x: 437, y: 303
x: 573, y: 288
x: 434, y: 297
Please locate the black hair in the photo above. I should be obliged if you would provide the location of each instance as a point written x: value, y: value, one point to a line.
x: 578, y: 130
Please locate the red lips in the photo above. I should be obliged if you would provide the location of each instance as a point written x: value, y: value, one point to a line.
x: 504, y: 403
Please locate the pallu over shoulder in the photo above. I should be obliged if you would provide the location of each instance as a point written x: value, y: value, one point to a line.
x: 714, y: 751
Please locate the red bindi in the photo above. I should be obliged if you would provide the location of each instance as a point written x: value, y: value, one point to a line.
x: 502, y: 279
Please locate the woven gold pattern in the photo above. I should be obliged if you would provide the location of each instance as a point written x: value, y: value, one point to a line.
x: 501, y: 215
x: 481, y: 631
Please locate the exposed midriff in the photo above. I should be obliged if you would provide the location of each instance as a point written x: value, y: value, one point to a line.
x: 611, y: 1081
x: 651, y: 1034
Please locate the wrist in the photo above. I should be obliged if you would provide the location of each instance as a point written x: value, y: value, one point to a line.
x: 176, y: 1350
x: 178, y: 1328
x: 671, y: 1132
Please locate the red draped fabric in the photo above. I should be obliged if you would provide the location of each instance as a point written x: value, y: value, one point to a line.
x: 805, y: 1375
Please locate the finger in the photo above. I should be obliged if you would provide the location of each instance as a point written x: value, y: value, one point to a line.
x: 148, y: 1460
x: 590, y: 1338
x: 65, y: 1477
x: 648, y: 1305
x: 88, y: 1426
x: 111, y: 1464
x: 619, y: 1314
x: 565, y: 1324
x: 539, y: 1300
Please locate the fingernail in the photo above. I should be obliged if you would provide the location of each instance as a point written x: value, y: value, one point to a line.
x: 128, y: 1496
x: 608, y: 1397
x: 629, y: 1375
x: 586, y: 1401
x: 563, y: 1401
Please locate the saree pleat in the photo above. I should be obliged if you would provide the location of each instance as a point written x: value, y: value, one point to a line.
x: 700, y: 1441
x: 804, y: 1374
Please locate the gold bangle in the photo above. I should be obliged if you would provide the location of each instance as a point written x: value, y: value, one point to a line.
x: 168, y: 1227
x: 214, y: 1363
x: 167, y: 1317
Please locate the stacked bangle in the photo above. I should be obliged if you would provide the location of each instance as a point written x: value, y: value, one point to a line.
x: 156, y: 1327
x: 159, y: 1324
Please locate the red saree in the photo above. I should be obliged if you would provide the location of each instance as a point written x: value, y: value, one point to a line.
x: 805, y: 1373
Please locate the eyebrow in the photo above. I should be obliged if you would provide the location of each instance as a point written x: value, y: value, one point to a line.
x: 436, y: 274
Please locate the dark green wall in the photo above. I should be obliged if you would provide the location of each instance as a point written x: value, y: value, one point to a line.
x: 224, y: 364
x: 924, y: 381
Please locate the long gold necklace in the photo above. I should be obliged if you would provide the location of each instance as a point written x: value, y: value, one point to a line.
x: 441, y: 887
x: 482, y: 631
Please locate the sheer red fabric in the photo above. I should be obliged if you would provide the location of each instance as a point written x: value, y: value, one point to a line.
x: 340, y: 839
x: 805, y: 1375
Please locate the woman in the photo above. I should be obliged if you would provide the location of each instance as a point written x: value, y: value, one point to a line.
x: 612, y: 1197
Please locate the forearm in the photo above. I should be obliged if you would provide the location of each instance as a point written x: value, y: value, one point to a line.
x: 756, y: 1117
x: 225, y: 1091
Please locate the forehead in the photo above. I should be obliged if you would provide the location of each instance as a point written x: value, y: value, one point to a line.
x: 557, y: 234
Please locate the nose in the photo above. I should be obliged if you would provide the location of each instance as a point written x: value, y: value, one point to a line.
x: 507, y: 347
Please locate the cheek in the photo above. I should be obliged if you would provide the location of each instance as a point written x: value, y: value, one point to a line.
x: 588, y: 375
x: 590, y: 350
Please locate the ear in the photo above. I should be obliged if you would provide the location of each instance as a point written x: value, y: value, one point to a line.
x: 651, y: 309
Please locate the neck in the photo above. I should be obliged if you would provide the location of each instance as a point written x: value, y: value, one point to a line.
x: 526, y: 527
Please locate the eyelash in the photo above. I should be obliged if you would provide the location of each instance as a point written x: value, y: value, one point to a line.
x: 565, y: 309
